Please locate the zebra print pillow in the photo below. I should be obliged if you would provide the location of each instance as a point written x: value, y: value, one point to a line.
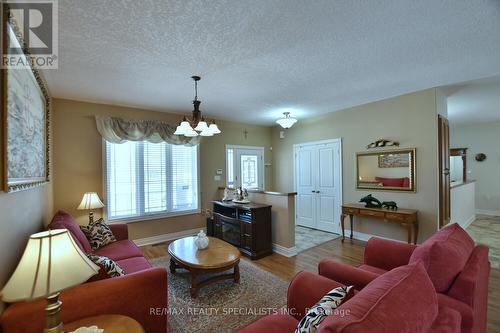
x: 325, y: 307
x: 98, y: 234
x: 110, y: 266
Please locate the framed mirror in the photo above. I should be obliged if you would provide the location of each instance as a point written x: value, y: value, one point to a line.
x: 387, y: 170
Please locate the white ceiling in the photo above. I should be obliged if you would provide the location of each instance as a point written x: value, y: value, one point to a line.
x: 474, y: 102
x: 260, y: 56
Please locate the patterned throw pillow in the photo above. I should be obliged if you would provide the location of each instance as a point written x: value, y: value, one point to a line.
x: 326, y: 306
x: 98, y: 234
x: 110, y: 266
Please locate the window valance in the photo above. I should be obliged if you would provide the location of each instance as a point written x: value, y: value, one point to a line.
x: 117, y: 130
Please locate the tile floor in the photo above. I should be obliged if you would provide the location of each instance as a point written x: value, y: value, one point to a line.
x: 305, y: 238
x: 486, y: 230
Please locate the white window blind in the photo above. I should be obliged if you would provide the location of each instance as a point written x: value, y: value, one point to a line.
x: 144, y: 179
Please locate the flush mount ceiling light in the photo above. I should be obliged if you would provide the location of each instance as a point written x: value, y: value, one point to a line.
x: 286, y: 121
x: 196, y: 125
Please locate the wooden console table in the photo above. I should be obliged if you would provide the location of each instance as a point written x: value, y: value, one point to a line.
x: 406, y: 217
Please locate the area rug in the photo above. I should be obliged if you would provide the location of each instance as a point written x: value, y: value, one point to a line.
x: 223, y: 306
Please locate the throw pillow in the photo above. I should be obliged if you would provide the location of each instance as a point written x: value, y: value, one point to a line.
x: 99, y: 234
x: 325, y: 307
x: 110, y: 266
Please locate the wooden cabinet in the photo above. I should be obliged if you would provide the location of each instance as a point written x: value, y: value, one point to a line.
x: 246, y: 226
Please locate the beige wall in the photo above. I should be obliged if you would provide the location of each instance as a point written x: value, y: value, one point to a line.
x: 410, y: 119
x: 481, y: 138
x: 78, y: 159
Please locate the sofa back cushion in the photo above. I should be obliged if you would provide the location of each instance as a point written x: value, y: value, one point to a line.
x: 394, y: 182
x: 401, y: 300
x: 63, y: 220
x: 444, y: 255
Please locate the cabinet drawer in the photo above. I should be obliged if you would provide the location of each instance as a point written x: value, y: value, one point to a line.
x: 372, y: 213
x: 347, y: 210
x: 399, y: 217
x: 218, y: 218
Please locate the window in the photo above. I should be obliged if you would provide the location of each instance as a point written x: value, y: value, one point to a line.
x: 144, y: 179
x: 245, y: 167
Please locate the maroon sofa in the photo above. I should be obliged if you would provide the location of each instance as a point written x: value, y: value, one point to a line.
x: 458, y: 269
x: 137, y: 294
x: 402, y: 300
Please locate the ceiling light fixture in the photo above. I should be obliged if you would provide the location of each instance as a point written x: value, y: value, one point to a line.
x: 286, y: 121
x: 196, y: 125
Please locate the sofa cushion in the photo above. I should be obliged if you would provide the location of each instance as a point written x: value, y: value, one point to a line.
x: 120, y: 250
x: 372, y: 269
x: 98, y: 234
x: 447, y: 321
x: 275, y: 323
x: 63, y: 220
x: 444, y: 255
x: 132, y: 265
x: 383, y: 306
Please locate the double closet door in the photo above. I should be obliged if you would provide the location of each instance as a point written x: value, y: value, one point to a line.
x: 318, y: 183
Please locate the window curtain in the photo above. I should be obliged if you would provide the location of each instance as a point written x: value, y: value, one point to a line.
x: 117, y: 130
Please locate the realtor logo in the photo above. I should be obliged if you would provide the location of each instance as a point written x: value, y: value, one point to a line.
x: 32, y: 34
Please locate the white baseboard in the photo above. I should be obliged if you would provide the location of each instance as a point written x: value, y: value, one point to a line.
x: 468, y: 222
x: 488, y: 212
x: 167, y: 237
x: 285, y: 251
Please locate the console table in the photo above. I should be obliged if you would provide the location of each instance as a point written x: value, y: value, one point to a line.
x: 405, y: 217
x: 246, y: 226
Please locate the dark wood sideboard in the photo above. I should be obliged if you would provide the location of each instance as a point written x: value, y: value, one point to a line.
x: 246, y: 226
x: 405, y: 217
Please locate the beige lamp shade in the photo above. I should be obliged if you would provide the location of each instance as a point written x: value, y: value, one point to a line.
x: 51, y: 262
x: 90, y: 200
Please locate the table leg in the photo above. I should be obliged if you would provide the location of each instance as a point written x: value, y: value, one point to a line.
x: 415, y: 233
x: 409, y: 229
x: 237, y: 273
x: 194, y: 285
x: 342, y: 217
x: 350, y: 219
x: 172, y: 266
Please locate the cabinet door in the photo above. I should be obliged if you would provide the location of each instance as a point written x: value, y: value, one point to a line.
x: 217, y: 227
x: 246, y: 235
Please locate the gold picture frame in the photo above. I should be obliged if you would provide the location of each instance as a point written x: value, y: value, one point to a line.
x: 25, y: 113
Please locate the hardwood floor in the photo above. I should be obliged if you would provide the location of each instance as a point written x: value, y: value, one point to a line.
x: 349, y: 253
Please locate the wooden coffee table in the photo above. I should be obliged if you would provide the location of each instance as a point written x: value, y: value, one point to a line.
x: 110, y: 324
x: 219, y: 256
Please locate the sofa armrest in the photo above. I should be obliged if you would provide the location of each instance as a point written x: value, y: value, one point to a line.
x: 120, y: 230
x: 141, y: 295
x: 305, y: 290
x: 387, y: 254
x: 462, y: 308
x: 345, y: 274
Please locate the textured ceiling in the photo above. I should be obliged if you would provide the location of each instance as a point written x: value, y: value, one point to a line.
x: 475, y: 102
x: 258, y: 57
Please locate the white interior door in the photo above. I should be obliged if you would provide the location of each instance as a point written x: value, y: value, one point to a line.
x: 319, y: 185
x: 305, y: 201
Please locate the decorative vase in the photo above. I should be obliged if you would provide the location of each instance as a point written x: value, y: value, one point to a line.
x: 201, y: 240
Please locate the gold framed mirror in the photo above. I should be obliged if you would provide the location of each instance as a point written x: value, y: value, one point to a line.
x: 387, y: 170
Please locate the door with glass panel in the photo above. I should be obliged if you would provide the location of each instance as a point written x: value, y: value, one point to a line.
x: 245, y: 167
x: 318, y: 183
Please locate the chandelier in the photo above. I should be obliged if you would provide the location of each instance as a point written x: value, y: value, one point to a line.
x: 196, y: 124
x: 286, y: 121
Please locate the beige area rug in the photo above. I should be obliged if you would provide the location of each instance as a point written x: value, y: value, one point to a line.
x: 223, y: 306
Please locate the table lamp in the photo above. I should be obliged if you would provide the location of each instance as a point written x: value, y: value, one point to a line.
x: 90, y: 201
x: 50, y: 263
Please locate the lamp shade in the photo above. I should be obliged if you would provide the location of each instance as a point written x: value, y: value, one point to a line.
x: 286, y: 121
x: 51, y: 262
x: 90, y: 200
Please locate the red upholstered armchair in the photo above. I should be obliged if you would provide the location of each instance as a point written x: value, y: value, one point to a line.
x: 458, y: 269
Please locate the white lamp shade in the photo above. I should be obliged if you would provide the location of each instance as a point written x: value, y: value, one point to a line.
x: 286, y: 122
x: 214, y: 128
x: 90, y: 200
x: 191, y: 133
x: 51, y: 262
x: 206, y: 132
x: 202, y: 126
x: 179, y: 130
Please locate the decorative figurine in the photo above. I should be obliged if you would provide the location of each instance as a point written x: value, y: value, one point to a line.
x: 227, y: 195
x: 390, y: 205
x: 371, y: 202
x: 382, y: 143
x: 201, y: 240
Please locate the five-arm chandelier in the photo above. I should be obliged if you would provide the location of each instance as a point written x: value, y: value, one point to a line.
x: 196, y: 124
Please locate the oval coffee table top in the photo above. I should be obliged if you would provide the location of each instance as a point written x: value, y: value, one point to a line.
x: 218, y: 254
